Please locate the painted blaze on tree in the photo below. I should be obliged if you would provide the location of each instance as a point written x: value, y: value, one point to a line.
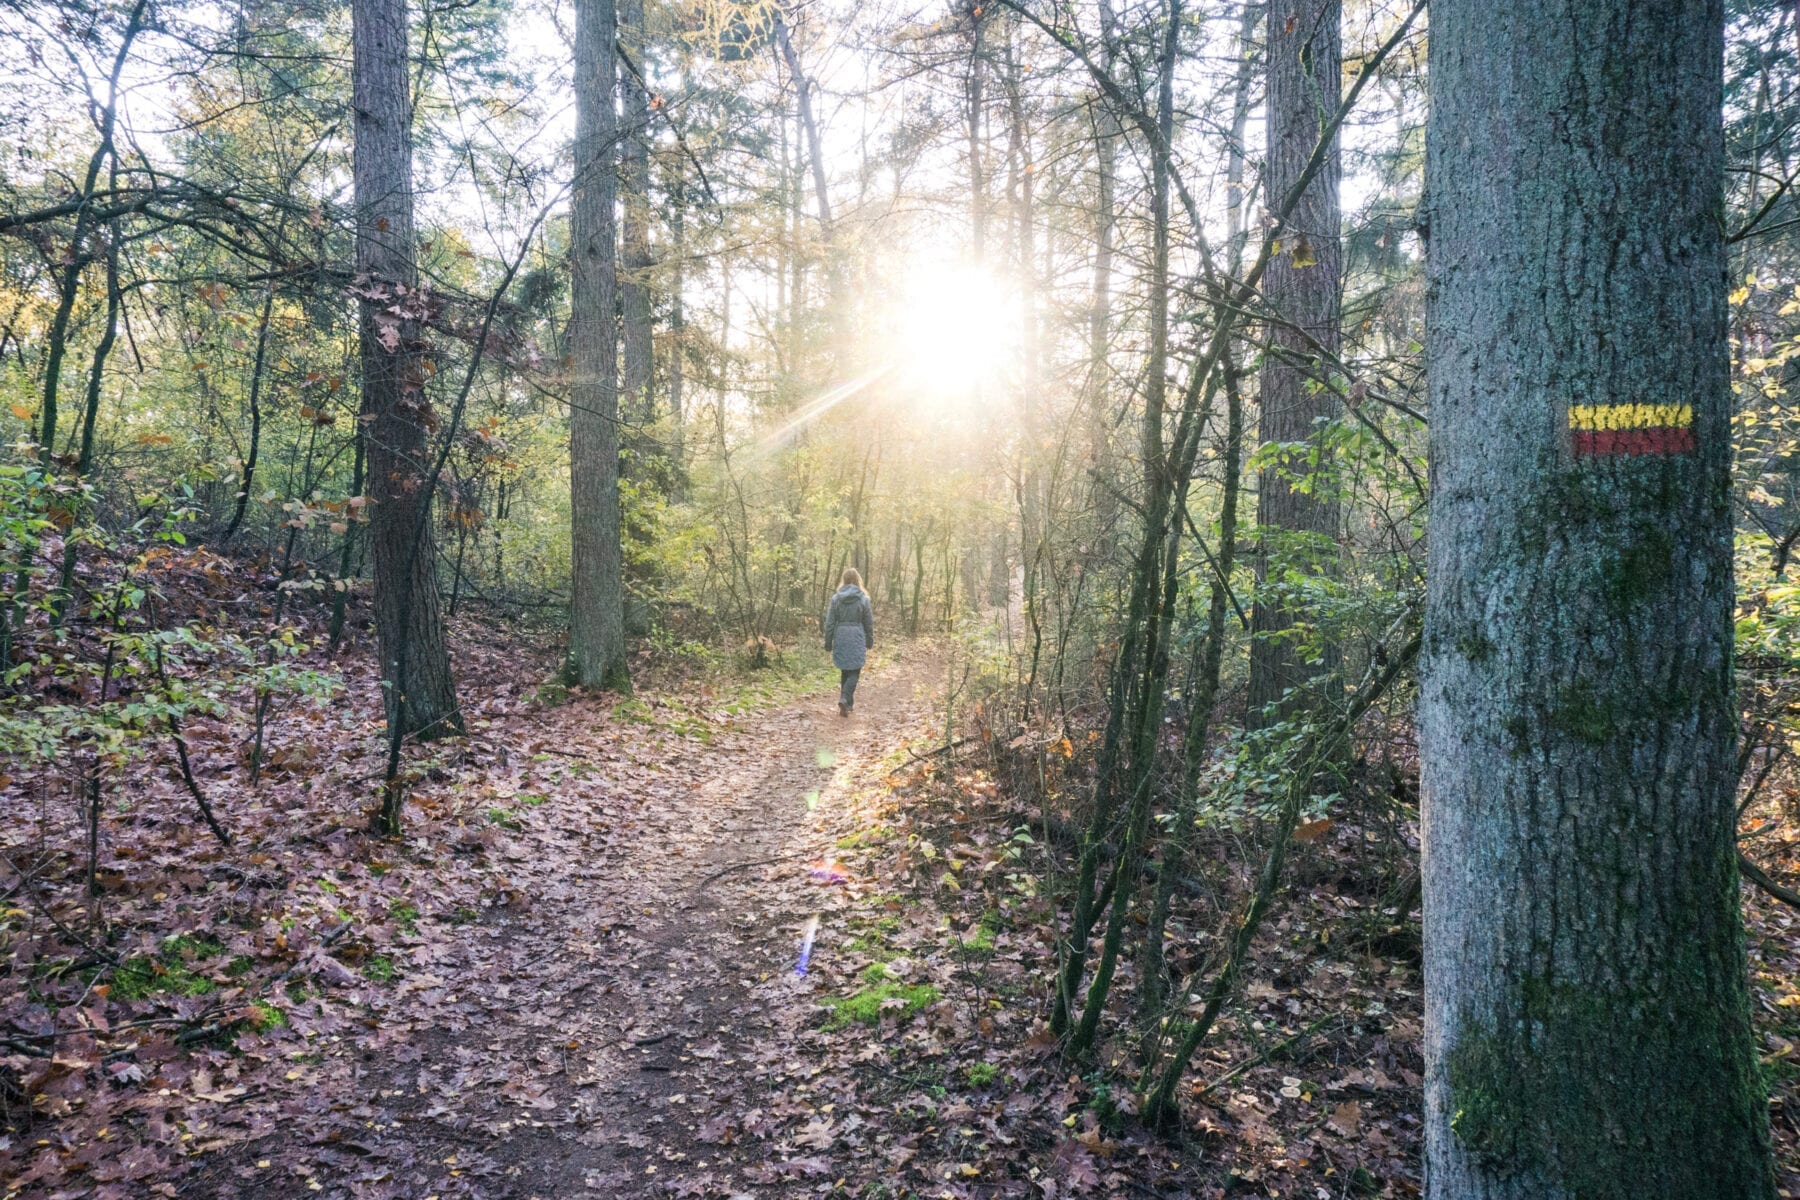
x: 1587, y: 1014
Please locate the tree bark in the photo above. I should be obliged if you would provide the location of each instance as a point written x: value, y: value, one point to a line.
x: 1296, y: 529
x: 1587, y: 1018
x: 415, y: 659
x: 597, y: 607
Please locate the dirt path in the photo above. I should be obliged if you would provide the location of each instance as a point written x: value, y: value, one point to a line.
x: 613, y: 1028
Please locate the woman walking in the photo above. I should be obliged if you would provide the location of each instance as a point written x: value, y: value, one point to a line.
x: 849, y: 635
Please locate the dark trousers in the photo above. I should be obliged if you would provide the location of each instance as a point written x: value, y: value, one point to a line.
x: 847, y: 687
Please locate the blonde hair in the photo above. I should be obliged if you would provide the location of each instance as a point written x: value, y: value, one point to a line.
x: 851, y: 575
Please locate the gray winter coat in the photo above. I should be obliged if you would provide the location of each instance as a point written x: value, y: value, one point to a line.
x: 849, y: 628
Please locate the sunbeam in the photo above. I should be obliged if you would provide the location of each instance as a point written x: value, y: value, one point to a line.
x: 816, y: 408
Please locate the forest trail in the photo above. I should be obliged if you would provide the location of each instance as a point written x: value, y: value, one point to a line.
x: 597, y: 1036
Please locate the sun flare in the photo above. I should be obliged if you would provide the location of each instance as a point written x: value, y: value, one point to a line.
x: 953, y: 330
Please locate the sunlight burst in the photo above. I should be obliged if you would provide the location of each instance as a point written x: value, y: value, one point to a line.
x: 954, y: 330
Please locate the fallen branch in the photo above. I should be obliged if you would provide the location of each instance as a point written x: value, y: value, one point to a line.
x: 1257, y: 1060
x: 1766, y: 882
x: 744, y: 866
x: 946, y: 748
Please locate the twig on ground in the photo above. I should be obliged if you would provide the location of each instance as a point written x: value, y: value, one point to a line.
x: 744, y: 866
x: 1766, y: 882
x: 1265, y: 1055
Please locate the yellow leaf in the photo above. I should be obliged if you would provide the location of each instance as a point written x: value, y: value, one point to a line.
x: 1741, y: 295
x: 1303, y: 255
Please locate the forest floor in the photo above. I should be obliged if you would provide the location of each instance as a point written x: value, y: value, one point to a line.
x: 629, y: 1019
x: 580, y: 973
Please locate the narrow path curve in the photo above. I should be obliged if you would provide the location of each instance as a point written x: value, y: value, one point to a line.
x: 594, y: 1036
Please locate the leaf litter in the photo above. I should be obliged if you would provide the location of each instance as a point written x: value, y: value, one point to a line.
x: 670, y: 951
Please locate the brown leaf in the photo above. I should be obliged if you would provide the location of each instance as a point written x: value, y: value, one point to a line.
x: 1346, y: 1119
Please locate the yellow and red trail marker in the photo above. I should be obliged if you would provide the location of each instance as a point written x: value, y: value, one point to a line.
x: 1604, y: 430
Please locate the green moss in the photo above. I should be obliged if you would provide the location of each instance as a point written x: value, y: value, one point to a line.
x: 168, y: 972
x: 553, y: 693
x: 863, y: 837
x: 380, y: 969
x: 875, y: 934
x: 982, y: 940
x: 634, y: 711
x: 1612, y: 1096
x: 981, y: 1074
x: 405, y: 916
x: 869, y: 1004
x: 265, y: 1016
x: 503, y: 818
x: 1584, y: 716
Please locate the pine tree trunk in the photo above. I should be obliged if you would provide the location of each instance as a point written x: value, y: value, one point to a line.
x: 1303, y: 289
x: 596, y: 610
x: 415, y: 660
x: 1587, y: 1021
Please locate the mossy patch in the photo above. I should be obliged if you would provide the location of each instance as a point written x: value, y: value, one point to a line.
x: 981, y: 941
x: 405, y: 916
x: 863, y: 837
x: 265, y: 1016
x: 169, y: 971
x: 881, y: 996
x: 1612, y: 1096
x: 981, y: 1074
x: 874, y: 934
x: 1584, y: 716
x: 380, y: 969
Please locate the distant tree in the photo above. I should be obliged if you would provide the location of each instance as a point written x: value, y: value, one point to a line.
x: 415, y: 659
x: 1305, y: 293
x: 1587, y: 1020
x: 596, y: 612
x: 639, y: 406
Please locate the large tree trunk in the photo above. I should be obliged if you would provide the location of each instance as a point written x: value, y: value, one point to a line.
x: 597, y: 609
x: 415, y: 661
x: 1297, y: 529
x: 1587, y: 1022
